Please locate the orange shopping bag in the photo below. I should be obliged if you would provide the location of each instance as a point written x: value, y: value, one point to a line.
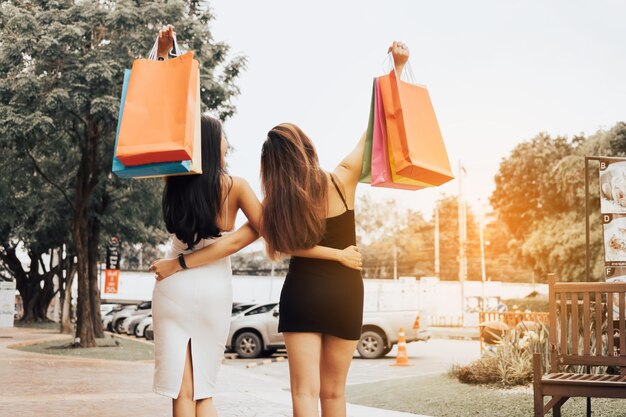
x: 418, y: 152
x: 160, y: 111
x: 383, y: 171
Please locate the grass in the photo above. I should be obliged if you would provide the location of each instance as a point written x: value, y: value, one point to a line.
x: 443, y: 396
x: 47, y: 325
x: 107, y: 348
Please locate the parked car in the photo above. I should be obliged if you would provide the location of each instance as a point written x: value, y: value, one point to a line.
x: 140, y: 329
x: 255, y: 332
x: 380, y: 331
x: 240, y: 307
x: 107, y: 308
x: 149, y: 332
x: 131, y: 310
x: 107, y: 319
x: 132, y: 322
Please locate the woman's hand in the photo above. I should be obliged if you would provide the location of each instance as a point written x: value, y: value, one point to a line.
x: 400, y: 53
x: 163, y: 268
x: 166, y: 40
x: 350, y: 257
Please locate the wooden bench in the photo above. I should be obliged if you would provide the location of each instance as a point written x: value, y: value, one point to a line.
x: 586, y: 308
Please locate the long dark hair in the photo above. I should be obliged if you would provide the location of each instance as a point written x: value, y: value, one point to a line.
x: 295, y: 189
x: 191, y: 203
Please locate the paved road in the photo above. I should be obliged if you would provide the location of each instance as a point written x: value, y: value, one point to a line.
x: 434, y: 356
x: 52, y: 386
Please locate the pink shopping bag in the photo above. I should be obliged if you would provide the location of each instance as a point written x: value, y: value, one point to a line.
x: 381, y: 169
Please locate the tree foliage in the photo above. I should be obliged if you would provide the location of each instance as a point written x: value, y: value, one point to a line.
x: 540, y: 197
x: 61, y: 72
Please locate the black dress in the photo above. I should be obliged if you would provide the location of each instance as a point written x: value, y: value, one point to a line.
x: 323, y: 296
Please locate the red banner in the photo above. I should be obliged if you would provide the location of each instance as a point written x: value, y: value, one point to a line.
x: 111, y: 281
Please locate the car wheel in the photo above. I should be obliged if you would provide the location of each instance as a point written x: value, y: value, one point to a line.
x: 149, y: 335
x: 248, y: 345
x: 371, y: 345
x: 119, y: 326
x: 387, y: 350
x: 137, y: 332
x: 269, y: 352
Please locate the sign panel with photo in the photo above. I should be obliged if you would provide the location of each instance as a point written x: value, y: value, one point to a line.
x: 612, y: 186
x: 614, y: 226
x: 613, y: 208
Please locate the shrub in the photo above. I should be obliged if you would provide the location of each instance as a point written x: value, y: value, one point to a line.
x: 509, y: 362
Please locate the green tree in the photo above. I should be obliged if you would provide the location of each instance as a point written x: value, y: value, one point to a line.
x: 61, y: 69
x: 540, y: 197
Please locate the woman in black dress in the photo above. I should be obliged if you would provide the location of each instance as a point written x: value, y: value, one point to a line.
x: 321, y: 304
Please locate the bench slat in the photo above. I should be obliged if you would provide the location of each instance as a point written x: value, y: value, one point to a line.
x: 586, y: 325
x: 589, y: 286
x: 598, y: 309
x: 574, y: 322
x: 592, y: 360
x: 551, y: 380
x: 609, y: 325
x: 563, y: 326
x: 622, y: 336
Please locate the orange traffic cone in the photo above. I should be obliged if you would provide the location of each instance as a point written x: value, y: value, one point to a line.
x: 402, y: 358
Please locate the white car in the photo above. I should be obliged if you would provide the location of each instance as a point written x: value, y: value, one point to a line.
x: 140, y: 330
x: 255, y: 332
x: 131, y: 310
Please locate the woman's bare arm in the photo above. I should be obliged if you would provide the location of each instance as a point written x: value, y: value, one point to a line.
x: 248, y: 202
x: 349, y: 170
x: 223, y: 247
x: 350, y: 256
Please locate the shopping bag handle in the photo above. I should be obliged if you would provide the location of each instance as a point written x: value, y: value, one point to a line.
x: 175, y: 49
x: 407, y: 71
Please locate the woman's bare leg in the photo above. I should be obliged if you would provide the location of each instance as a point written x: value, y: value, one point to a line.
x: 303, y: 354
x: 184, y: 405
x: 335, y: 362
x: 205, y: 408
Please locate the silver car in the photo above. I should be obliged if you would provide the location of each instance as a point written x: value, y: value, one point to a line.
x: 118, y: 318
x: 254, y: 332
x: 132, y: 322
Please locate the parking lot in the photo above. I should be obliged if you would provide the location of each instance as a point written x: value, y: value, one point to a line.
x: 433, y: 357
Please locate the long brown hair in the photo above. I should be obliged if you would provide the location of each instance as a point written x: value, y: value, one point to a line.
x: 295, y: 189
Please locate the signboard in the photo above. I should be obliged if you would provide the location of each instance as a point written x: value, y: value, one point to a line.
x: 7, y: 303
x: 613, y: 208
x: 111, y: 281
x: 114, y: 254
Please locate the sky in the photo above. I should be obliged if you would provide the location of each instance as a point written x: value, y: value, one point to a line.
x: 498, y: 73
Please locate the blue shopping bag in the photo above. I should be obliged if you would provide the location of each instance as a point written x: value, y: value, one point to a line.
x: 160, y: 169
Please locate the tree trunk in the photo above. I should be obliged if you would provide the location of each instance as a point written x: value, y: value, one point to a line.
x: 94, y: 289
x: 66, y: 300
x: 84, y: 329
x: 86, y: 182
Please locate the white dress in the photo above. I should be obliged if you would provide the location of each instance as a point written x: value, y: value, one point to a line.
x: 193, y: 304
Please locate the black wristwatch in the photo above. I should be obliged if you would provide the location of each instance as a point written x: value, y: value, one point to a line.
x: 181, y: 261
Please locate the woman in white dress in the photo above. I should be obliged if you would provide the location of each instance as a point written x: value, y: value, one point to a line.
x: 191, y: 310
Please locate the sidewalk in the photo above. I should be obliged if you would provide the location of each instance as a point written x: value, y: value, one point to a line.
x: 46, y: 385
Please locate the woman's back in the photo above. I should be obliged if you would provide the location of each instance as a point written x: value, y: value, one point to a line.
x: 320, y: 295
